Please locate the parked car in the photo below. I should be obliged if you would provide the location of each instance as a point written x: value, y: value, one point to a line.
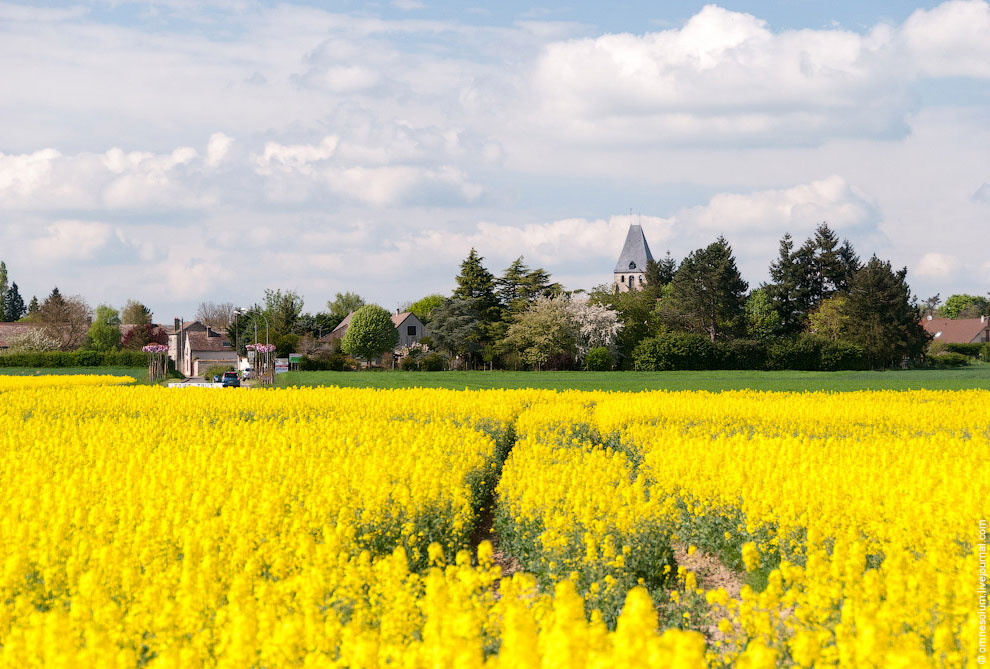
x: 247, y: 373
x: 230, y: 380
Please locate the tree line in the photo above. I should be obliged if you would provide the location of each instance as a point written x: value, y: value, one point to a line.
x: 823, y: 307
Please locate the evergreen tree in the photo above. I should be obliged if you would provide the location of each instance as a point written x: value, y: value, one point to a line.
x: 477, y: 284
x: 881, y: 317
x: 782, y: 291
x: 519, y: 287
x: 13, y: 304
x: 709, y: 291
x: 33, y: 306
x: 3, y: 288
x: 509, y: 287
x: 54, y: 301
x: 666, y: 268
x: 456, y: 328
x: 801, y: 279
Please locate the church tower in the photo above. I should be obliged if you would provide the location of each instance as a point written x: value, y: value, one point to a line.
x: 630, y: 271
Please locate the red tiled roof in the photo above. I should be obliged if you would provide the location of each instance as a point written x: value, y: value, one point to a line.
x: 958, y: 330
x: 201, y: 341
x: 398, y: 318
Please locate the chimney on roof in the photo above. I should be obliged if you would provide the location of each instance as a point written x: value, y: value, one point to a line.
x: 178, y: 324
x: 983, y: 318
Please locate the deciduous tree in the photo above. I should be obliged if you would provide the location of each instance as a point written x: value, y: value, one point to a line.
x: 65, y: 318
x: 370, y: 333
x: 104, y: 332
x: 218, y: 315
x: 343, y: 304
x: 134, y: 312
x: 546, y: 329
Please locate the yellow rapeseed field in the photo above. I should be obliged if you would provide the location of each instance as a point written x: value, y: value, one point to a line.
x: 143, y: 527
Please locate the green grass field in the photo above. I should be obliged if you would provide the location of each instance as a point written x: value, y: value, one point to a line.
x: 974, y: 376
x: 139, y: 373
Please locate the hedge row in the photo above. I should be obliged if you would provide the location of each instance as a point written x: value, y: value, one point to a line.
x: 677, y: 350
x: 74, y: 359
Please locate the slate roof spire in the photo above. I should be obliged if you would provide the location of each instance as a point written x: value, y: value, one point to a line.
x: 635, y: 252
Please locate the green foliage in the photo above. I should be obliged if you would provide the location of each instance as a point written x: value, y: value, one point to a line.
x: 341, y: 305
x: 950, y: 360
x: 134, y: 313
x: 104, y: 332
x: 674, y: 350
x: 12, y: 304
x: 217, y: 370
x: 964, y: 306
x: 830, y: 320
x: 707, y: 293
x: 455, y: 327
x: 741, y: 354
x: 283, y: 310
x: 285, y: 345
x: 3, y: 289
x: 477, y: 284
x: 544, y: 332
x: 968, y: 350
x: 519, y: 286
x: 43, y: 359
x: 370, y: 333
x: 637, y: 311
x: 810, y: 353
x: 802, y: 279
x: 432, y: 362
x: 599, y: 359
x: 882, y: 319
x: 424, y: 307
x: 762, y: 320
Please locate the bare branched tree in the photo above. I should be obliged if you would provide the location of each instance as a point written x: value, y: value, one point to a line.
x: 66, y: 319
x: 218, y: 315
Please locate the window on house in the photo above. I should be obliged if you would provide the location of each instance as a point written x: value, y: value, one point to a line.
x: 411, y: 330
x: 623, y: 278
x: 632, y: 265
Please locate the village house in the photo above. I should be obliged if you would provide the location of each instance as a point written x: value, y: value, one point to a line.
x: 630, y: 271
x: 411, y: 329
x: 194, y: 346
x: 958, y: 330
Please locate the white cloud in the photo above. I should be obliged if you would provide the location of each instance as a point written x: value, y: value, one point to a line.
x: 217, y: 148
x: 71, y: 240
x: 950, y: 40
x: 407, y: 5
x: 799, y: 207
x: 295, y: 157
x: 21, y: 175
x: 939, y: 266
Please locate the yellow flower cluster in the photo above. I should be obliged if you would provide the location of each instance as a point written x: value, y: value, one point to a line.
x: 61, y: 381
x: 335, y: 527
x: 862, y: 510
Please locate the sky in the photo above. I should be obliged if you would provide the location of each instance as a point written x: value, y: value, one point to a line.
x: 179, y: 151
